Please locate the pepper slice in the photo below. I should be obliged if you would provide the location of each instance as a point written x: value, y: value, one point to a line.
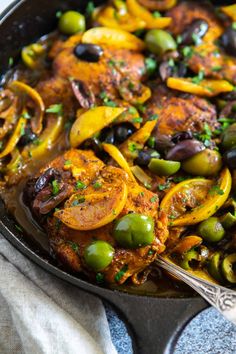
x: 141, y: 12
x: 206, y: 88
x: 91, y: 122
x: 196, y: 194
x: 113, y: 37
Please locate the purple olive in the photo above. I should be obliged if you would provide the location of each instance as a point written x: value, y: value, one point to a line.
x: 83, y: 94
x: 145, y: 156
x: 228, y: 41
x: 194, y: 32
x: 181, y: 136
x: 185, y: 149
x: 166, y: 70
x: 46, y: 178
x: 163, y: 142
x: 229, y: 158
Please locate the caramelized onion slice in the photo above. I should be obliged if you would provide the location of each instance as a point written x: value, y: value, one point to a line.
x: 22, y: 88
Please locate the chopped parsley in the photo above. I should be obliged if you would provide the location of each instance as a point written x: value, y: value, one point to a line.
x: 10, y: 61
x: 132, y: 147
x: 137, y: 120
x: 216, y: 190
x: 153, y: 117
x: 99, y: 278
x: 67, y: 163
x: 121, y: 273
x: 234, y: 25
x: 205, y: 137
x: 106, y: 100
x: 55, y: 108
x: 18, y: 228
x: 154, y: 199
x: 78, y: 201
x: 197, y: 79
x: 155, y: 154
x: 163, y: 187
x: 217, y: 68
x: 89, y: 9
x: 151, y: 66
x: 55, y: 187
x: 151, y: 142
x: 132, y: 110
x: 171, y: 62
x: 25, y: 115
x: 97, y: 185
x: 74, y: 246
x: 141, y: 194
x: 80, y: 185
x: 225, y: 123
x: 37, y: 141
x: 156, y: 14
x: 22, y: 130
x: 58, y: 14
x: 179, y: 39
x: 187, y: 52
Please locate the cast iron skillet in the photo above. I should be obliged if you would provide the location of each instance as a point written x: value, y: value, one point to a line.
x: 154, y: 323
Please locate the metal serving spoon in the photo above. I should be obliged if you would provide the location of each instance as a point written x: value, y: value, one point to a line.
x: 223, y: 299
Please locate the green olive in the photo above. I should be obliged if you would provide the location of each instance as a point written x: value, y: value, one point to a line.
x: 228, y: 268
x: 163, y: 167
x: 229, y: 137
x: 134, y: 230
x: 214, y: 267
x: 211, y: 230
x: 159, y: 41
x: 71, y: 22
x: 98, y: 255
x: 205, y: 163
x: 189, y: 257
x: 228, y: 220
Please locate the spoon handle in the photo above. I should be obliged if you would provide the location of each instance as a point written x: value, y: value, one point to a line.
x: 223, y: 299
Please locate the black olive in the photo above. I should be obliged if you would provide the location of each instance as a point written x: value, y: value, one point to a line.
x: 93, y: 144
x: 108, y: 136
x: 88, y: 52
x: 27, y: 137
x: 185, y: 149
x: 228, y: 41
x: 145, y: 156
x: 181, y: 136
x: 230, y: 158
x: 194, y: 32
x: 123, y: 131
x: 46, y: 178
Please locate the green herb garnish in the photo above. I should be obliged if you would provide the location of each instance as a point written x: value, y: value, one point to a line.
x: 55, y: 108
x: 80, y: 185
x: 121, y: 273
x: 55, y: 187
x: 151, y: 66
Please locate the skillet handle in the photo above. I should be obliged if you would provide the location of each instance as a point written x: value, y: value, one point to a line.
x: 155, y: 323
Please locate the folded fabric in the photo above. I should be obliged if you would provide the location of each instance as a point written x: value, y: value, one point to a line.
x: 41, y: 314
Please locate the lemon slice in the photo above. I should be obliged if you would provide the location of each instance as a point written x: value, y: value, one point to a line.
x: 195, y: 200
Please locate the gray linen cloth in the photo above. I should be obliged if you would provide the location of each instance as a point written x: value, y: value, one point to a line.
x: 40, y: 314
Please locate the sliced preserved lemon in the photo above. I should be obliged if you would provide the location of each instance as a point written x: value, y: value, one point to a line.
x: 195, y: 200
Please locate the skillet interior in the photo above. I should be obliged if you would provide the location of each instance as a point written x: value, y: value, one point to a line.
x: 22, y: 23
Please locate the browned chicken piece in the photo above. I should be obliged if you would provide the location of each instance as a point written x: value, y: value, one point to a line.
x: 176, y: 114
x: 187, y: 11
x: 106, y: 75
x: 206, y: 56
x: 214, y: 62
x: 68, y: 244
